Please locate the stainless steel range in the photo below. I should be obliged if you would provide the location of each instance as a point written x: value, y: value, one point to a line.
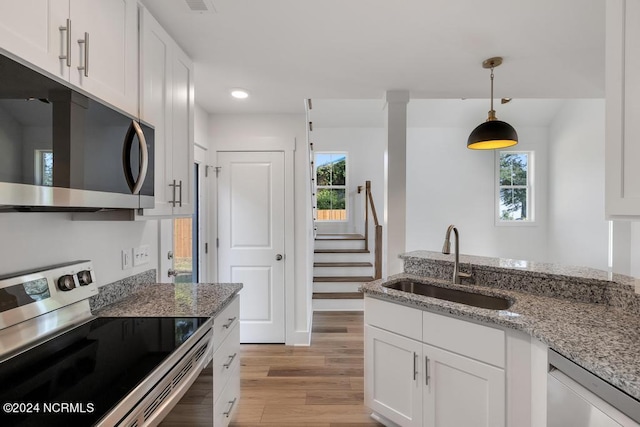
x: 61, y: 366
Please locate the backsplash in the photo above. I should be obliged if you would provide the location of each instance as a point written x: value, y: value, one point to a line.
x: 112, y: 292
x: 578, y: 284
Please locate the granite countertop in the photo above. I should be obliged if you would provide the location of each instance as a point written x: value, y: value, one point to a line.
x: 601, y: 338
x: 173, y: 300
x: 530, y: 268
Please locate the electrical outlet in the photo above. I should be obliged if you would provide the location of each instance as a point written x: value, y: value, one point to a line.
x: 126, y: 259
x: 141, y: 255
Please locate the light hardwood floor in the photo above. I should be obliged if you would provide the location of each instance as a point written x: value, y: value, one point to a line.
x: 282, y: 386
x: 316, y: 386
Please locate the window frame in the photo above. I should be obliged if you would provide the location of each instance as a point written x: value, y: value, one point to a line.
x: 530, y: 187
x: 344, y: 187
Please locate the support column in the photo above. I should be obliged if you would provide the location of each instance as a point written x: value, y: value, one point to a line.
x: 395, y: 200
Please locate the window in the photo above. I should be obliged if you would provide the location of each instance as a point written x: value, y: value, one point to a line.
x: 331, y: 186
x: 44, y: 167
x: 185, y: 239
x: 515, y: 187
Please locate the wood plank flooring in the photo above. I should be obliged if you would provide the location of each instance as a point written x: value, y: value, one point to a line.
x: 317, y: 386
x: 281, y: 386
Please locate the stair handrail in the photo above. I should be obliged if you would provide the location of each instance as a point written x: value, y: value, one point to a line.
x: 378, y: 230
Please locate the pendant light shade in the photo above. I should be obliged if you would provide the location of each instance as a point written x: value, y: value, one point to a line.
x: 493, y: 133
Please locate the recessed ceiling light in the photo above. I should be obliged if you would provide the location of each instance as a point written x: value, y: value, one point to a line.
x: 239, y: 93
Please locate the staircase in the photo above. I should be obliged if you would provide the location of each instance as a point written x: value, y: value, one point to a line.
x: 341, y: 264
x: 342, y: 261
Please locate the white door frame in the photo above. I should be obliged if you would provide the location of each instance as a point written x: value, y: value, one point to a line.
x: 288, y: 146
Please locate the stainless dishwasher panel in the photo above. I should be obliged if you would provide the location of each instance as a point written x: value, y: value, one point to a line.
x: 577, y: 398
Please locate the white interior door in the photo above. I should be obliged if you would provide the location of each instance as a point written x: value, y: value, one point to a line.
x: 251, y: 239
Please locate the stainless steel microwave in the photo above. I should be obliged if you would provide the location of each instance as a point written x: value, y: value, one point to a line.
x: 63, y: 150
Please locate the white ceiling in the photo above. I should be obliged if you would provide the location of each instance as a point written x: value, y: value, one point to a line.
x: 283, y: 51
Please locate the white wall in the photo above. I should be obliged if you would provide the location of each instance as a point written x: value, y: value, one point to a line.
x: 450, y: 184
x: 578, y: 230
x: 365, y: 148
x: 225, y: 131
x: 31, y: 240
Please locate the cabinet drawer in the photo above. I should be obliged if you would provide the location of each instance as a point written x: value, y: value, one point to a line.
x: 225, y: 360
x: 224, y: 322
x: 227, y: 404
x: 393, y: 317
x: 469, y: 339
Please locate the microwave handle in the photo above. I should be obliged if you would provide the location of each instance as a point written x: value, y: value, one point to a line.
x: 135, y: 130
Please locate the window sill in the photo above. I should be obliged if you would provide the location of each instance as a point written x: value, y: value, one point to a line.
x: 515, y: 223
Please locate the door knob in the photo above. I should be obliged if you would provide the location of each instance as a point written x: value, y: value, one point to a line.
x: 172, y: 272
x: 279, y: 257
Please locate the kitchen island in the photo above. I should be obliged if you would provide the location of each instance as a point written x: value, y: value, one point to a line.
x: 588, y: 316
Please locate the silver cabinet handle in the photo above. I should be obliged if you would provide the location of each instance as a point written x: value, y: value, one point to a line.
x: 67, y: 30
x: 426, y: 370
x: 175, y: 185
x: 233, y: 402
x: 85, y: 67
x: 231, y: 358
x: 172, y: 272
x: 173, y: 197
x: 230, y: 322
x: 415, y: 365
x: 135, y: 185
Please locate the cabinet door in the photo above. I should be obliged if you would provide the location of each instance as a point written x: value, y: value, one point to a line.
x: 459, y: 391
x: 110, y: 55
x: 622, y: 108
x: 155, y: 106
x: 182, y: 132
x: 393, y: 387
x: 30, y: 29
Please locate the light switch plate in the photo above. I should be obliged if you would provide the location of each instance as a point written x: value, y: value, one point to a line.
x: 127, y: 258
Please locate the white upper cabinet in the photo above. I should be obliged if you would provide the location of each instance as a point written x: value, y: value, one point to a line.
x: 35, y: 31
x: 622, y: 108
x: 167, y: 103
x: 91, y: 44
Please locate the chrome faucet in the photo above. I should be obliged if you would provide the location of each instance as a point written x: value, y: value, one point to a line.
x: 446, y: 249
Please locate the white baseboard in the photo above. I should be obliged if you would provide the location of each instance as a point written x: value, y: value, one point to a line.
x: 338, y: 305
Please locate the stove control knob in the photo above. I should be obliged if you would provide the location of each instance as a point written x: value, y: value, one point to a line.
x: 65, y: 283
x: 84, y: 278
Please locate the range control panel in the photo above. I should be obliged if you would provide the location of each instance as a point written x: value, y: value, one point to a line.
x: 27, y: 294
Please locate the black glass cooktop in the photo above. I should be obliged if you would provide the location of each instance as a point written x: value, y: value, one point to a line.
x: 76, y: 378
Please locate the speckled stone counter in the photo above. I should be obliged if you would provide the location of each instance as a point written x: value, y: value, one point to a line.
x: 602, y: 338
x: 174, y: 300
x: 579, y: 284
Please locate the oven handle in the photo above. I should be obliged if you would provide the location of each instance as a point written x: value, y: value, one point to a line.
x: 135, y: 185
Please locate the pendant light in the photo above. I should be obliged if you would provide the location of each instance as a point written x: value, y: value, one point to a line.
x: 493, y: 133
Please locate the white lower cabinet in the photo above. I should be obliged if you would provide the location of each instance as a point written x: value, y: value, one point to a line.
x: 459, y: 391
x: 433, y: 383
x: 226, y: 363
x: 393, y: 389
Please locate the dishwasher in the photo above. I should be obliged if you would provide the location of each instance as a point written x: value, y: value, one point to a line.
x: 578, y: 398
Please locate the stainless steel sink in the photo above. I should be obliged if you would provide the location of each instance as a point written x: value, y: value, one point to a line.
x: 454, y: 295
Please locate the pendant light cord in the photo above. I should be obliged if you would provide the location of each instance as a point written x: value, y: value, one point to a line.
x: 492, y: 88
